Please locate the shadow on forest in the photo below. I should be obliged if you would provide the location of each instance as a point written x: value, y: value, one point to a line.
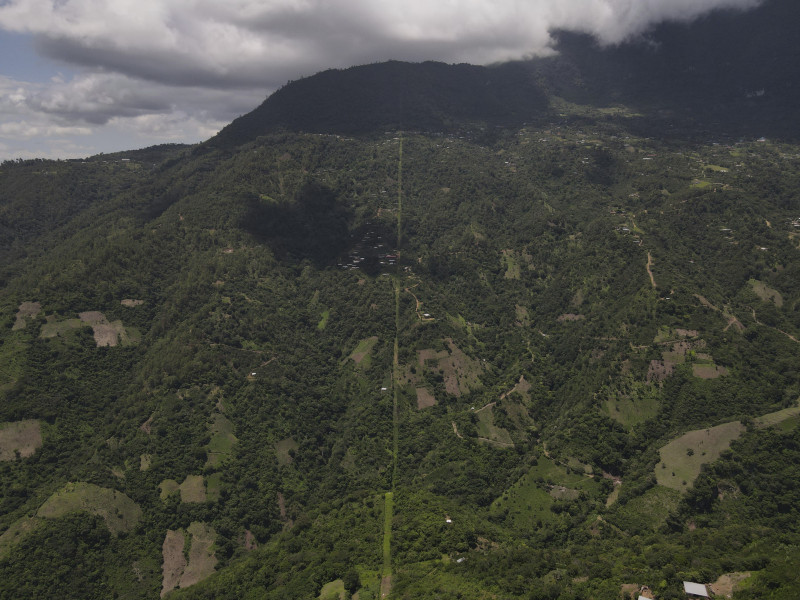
x: 314, y: 225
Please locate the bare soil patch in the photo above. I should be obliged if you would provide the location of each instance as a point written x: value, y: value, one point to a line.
x: 659, y: 370
x: 425, y: 399
x: 249, y: 540
x: 559, y: 492
x: 129, y: 302
x: 19, y: 438
x: 460, y: 372
x: 27, y: 310
x: 201, y: 556
x: 705, y: 371
x: 728, y: 583
x: 174, y: 563
x: 386, y: 585
x: 146, y: 426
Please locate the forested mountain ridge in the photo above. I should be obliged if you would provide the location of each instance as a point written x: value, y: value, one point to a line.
x: 551, y: 359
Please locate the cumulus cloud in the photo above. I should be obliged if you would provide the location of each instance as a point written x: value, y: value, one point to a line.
x: 154, y: 62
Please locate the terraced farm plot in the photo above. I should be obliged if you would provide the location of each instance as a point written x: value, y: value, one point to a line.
x: 459, y: 371
x: 682, y: 458
x: 19, y: 438
x: 119, y: 512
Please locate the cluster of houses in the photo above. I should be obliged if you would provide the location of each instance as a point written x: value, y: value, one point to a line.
x: 371, y: 246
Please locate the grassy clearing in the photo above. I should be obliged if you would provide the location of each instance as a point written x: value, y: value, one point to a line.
x: 650, y: 510
x: 323, y: 322
x: 20, y: 438
x: 630, y: 411
x: 728, y: 583
x: 282, y: 450
x: 144, y: 462
x: 222, y: 441
x: 193, y: 489
x: 708, y: 370
x: 54, y: 328
x: 18, y: 530
x: 130, y: 302
x: 766, y: 293
x: 118, y: 511
x: 214, y: 486
x: 488, y: 430
x: 333, y: 590
x: 370, y: 584
x: 168, y: 487
x: 27, y: 310
x: 388, y: 507
x: 778, y: 417
x: 511, y: 263
x: 527, y: 502
x: 361, y: 353
x: 682, y: 458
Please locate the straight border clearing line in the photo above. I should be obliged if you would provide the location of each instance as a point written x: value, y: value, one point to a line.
x: 388, y: 514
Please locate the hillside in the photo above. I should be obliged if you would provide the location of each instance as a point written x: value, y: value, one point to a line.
x: 450, y: 342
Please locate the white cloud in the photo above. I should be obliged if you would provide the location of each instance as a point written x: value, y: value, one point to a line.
x: 153, y: 63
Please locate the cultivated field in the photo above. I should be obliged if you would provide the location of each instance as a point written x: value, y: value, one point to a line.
x: 424, y: 398
x: 19, y: 438
x: 363, y: 350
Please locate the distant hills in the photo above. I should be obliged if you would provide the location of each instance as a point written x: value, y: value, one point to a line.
x: 730, y: 72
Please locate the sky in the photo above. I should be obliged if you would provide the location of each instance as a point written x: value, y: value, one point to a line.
x: 80, y: 77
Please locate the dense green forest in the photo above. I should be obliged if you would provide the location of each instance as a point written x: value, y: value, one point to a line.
x: 485, y: 357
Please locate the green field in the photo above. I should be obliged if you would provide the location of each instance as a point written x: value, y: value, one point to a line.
x: 118, y: 511
x: 488, y: 430
x: 527, y: 502
x: 682, y: 458
x: 648, y: 511
x: 220, y: 446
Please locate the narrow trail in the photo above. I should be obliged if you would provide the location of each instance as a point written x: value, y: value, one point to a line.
x: 649, y: 272
x: 388, y: 515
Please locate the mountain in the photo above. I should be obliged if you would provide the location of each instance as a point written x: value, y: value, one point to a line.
x: 400, y: 333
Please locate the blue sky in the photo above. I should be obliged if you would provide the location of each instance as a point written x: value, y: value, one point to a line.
x: 79, y: 77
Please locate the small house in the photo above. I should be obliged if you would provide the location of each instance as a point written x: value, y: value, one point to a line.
x: 695, y: 590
